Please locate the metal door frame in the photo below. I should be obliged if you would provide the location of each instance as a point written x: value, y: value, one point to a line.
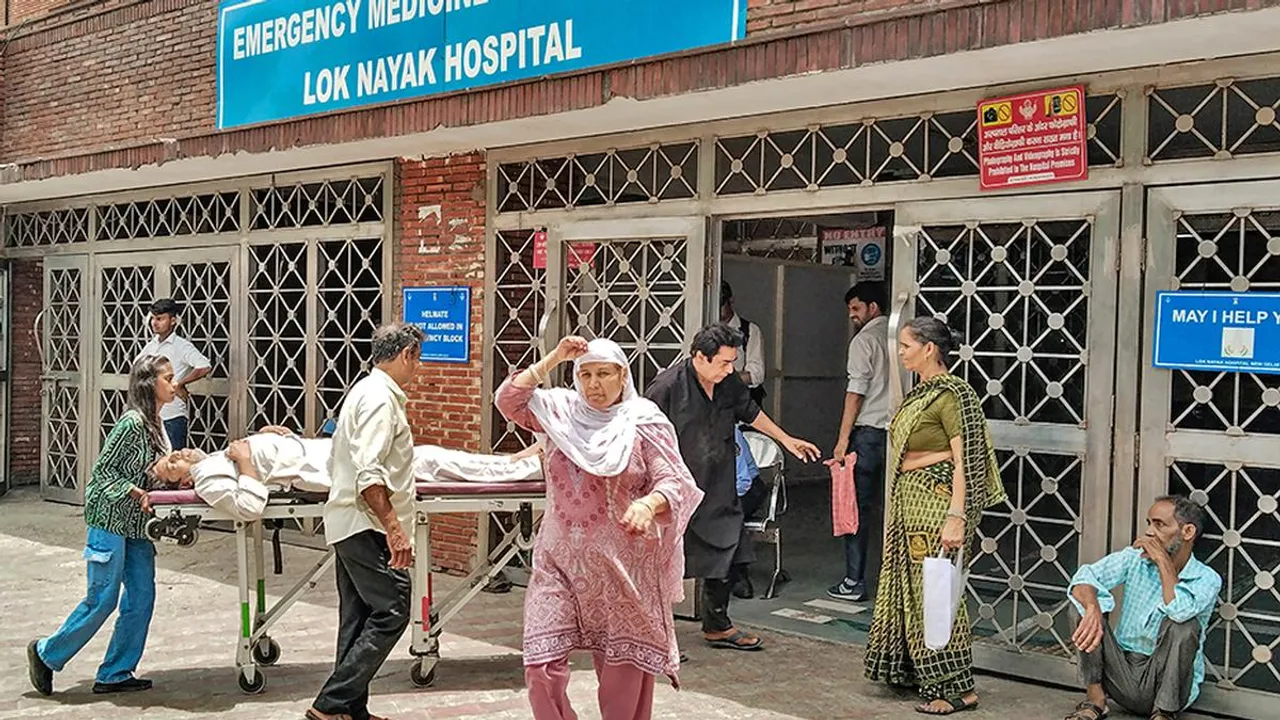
x: 6, y: 333
x: 693, y: 230
x: 1159, y: 443
x: 1102, y: 209
x: 161, y: 262
x: 49, y: 381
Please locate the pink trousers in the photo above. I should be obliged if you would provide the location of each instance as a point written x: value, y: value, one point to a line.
x: 625, y: 693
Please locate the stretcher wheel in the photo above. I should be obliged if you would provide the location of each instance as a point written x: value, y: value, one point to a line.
x: 155, y: 529
x: 254, y: 686
x: 266, y: 652
x: 421, y: 676
x: 188, y: 536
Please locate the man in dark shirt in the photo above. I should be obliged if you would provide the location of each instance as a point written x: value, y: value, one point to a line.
x: 705, y: 400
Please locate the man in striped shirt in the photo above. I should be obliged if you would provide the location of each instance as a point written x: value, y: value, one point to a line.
x: 1152, y: 663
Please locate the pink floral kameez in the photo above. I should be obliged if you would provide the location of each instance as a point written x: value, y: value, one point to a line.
x: 594, y: 586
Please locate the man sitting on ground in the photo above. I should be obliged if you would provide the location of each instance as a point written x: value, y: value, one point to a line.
x: 1153, y: 661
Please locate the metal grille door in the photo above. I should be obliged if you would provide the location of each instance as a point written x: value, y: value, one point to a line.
x: 1029, y: 284
x: 63, y: 379
x: 1215, y: 436
x: 639, y: 283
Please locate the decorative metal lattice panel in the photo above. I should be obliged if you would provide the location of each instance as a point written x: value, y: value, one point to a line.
x: 520, y: 301
x: 632, y: 292
x: 277, y: 335
x: 113, y: 404
x: 62, y: 454
x: 873, y: 151
x: 170, y: 217
x: 1216, y: 120
x: 204, y: 289
x: 1236, y: 251
x: 126, y: 297
x: 1019, y: 295
x: 50, y: 227
x: 1027, y: 551
x: 635, y: 175
x: 1240, y: 543
x: 63, y: 317
x: 349, y: 295
x: 319, y: 204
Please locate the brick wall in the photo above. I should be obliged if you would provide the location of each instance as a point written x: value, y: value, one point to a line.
x: 94, y: 90
x: 20, y: 10
x: 440, y: 241
x: 26, y: 279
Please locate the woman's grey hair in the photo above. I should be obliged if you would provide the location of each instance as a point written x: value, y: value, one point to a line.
x: 391, y: 339
x: 143, y: 375
x: 926, y: 329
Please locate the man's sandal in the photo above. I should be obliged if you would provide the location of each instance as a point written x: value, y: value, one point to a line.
x: 1162, y: 715
x: 957, y: 705
x: 1084, y: 708
x: 736, y: 641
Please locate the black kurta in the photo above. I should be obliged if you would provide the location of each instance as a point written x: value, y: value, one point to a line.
x: 704, y: 426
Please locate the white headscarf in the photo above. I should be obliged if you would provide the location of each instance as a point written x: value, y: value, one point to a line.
x: 598, y: 441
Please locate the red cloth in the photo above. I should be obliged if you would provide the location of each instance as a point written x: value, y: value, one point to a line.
x: 844, y: 497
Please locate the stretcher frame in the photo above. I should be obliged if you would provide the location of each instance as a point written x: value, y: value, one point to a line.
x: 429, y: 615
x: 255, y: 647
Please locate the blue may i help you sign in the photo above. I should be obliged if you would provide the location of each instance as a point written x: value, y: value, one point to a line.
x: 279, y: 59
x: 1218, y: 331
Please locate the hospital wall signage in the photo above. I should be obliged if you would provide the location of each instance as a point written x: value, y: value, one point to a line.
x: 1033, y: 138
x: 444, y: 316
x: 279, y: 59
x: 1218, y: 332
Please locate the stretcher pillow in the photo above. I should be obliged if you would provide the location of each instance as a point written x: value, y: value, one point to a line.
x: 432, y: 463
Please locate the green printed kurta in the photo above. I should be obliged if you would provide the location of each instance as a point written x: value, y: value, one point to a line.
x: 896, y: 653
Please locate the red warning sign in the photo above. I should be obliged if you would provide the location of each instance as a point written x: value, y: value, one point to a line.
x: 1035, y: 138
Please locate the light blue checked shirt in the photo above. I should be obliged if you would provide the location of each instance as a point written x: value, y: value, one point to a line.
x: 1144, y: 607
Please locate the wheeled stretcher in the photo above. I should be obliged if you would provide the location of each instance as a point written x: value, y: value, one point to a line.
x: 178, y: 514
x: 431, y: 615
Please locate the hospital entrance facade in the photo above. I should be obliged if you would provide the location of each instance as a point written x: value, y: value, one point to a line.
x: 613, y: 231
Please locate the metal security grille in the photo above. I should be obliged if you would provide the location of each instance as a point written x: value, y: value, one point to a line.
x: 519, y: 304
x: 648, y: 174
x: 277, y: 336
x: 1218, y: 430
x: 776, y: 238
x: 170, y: 217
x: 126, y: 296
x: 349, y: 295
x: 205, y: 291
x: 319, y: 204
x: 47, y: 228
x: 632, y: 292
x: 873, y: 151
x: 1018, y: 287
x: 1019, y: 294
x: 63, y: 321
x: 1219, y: 120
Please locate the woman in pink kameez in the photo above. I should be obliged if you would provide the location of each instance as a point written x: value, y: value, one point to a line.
x: 608, y: 561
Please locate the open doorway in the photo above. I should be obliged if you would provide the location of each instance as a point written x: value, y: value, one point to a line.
x: 789, y: 277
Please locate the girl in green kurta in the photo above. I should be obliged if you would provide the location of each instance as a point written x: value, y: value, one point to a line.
x: 120, y: 560
x: 944, y: 475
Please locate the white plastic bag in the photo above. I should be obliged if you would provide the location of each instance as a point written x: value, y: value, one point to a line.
x: 943, y: 587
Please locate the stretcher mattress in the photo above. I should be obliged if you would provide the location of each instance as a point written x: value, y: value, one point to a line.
x: 423, y: 489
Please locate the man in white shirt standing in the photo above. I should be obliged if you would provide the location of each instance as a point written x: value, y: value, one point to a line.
x: 189, y: 365
x: 367, y: 521
x: 750, y: 363
x: 864, y: 423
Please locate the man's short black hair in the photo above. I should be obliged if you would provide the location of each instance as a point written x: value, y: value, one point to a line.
x: 869, y: 292
x: 711, y: 338
x: 166, y: 306
x: 1186, y: 512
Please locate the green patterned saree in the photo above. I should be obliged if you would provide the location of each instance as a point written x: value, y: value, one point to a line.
x: 896, y: 653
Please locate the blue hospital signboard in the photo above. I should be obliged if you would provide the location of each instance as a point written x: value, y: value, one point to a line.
x: 280, y: 59
x: 444, y: 316
x: 1218, y: 331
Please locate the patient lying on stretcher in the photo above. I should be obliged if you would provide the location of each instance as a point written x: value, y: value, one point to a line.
x: 240, y: 479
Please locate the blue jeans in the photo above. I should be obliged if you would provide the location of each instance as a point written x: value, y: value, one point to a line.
x: 868, y: 475
x: 176, y: 429
x: 114, y: 562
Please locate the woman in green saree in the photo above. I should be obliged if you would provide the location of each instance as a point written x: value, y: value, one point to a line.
x: 944, y: 475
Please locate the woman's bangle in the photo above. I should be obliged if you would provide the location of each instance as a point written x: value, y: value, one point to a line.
x: 956, y: 514
x: 537, y: 376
